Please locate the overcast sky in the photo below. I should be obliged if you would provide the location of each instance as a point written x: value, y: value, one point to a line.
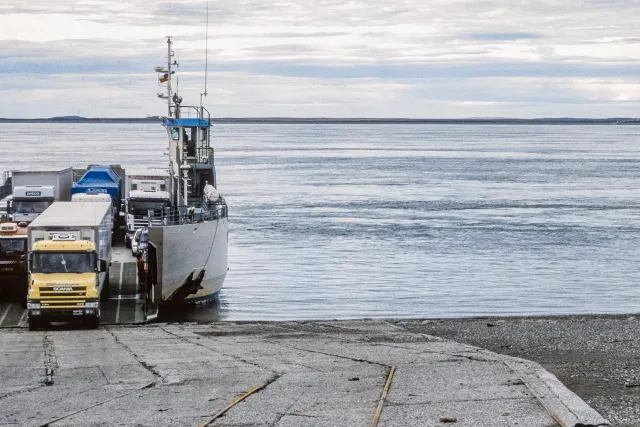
x: 325, y: 58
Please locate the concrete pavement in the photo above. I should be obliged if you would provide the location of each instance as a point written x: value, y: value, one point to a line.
x: 301, y: 374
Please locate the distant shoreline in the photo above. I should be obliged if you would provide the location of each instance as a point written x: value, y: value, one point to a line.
x: 293, y: 120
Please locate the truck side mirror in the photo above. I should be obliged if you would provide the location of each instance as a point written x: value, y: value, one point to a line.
x: 23, y: 257
x: 102, y: 266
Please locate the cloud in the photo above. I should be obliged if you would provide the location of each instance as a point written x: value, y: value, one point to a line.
x: 331, y: 58
x: 506, y: 36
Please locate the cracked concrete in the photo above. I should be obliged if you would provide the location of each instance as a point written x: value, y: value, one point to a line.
x: 314, y: 374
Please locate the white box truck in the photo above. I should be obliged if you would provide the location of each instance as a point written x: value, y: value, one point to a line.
x: 35, y: 190
x: 69, y: 255
x: 145, y: 190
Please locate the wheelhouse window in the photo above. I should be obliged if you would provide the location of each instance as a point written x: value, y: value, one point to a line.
x: 63, y: 262
x: 175, y: 133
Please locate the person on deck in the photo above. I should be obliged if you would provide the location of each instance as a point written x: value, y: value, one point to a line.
x: 141, y: 273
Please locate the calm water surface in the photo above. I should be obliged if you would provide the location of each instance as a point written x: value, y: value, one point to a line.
x: 335, y: 221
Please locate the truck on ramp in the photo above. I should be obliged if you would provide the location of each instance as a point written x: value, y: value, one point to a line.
x: 68, y: 262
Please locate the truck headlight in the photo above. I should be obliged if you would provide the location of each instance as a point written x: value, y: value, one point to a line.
x: 91, y: 304
x: 33, y: 306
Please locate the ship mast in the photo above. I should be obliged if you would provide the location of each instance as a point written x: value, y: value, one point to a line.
x: 169, y: 55
x: 164, y: 76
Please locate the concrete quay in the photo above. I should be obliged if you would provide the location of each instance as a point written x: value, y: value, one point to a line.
x: 285, y: 374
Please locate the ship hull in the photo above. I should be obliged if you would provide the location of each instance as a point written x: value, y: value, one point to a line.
x: 191, y: 259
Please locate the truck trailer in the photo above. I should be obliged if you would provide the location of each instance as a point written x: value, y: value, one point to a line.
x: 69, y: 255
x: 33, y: 191
x: 100, y: 179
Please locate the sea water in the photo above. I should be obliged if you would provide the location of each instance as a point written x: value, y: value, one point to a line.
x: 400, y: 220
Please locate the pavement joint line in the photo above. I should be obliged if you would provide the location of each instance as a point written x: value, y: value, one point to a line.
x: 232, y: 404
x: 385, y: 390
x: 135, y: 356
x: 5, y: 313
x: 26, y: 390
x: 119, y: 292
x: 383, y: 397
x: 50, y: 360
x: 490, y: 399
x: 233, y: 356
x: 48, y: 423
x: 341, y: 338
x: 353, y: 359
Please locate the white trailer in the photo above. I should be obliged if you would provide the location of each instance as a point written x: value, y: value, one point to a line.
x: 69, y: 253
x: 61, y: 179
x: 34, y: 190
x: 95, y: 197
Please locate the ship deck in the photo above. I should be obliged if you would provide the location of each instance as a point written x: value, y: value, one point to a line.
x: 124, y: 305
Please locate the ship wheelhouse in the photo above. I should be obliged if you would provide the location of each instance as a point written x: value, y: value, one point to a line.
x: 190, y: 154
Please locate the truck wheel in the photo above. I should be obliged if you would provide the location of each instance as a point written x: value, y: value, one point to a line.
x: 105, y: 289
x: 34, y: 325
x: 92, y: 322
x: 127, y: 242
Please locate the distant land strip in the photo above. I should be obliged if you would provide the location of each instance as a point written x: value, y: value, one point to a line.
x: 329, y: 120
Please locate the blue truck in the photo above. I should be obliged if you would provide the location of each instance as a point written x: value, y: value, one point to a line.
x: 100, y: 179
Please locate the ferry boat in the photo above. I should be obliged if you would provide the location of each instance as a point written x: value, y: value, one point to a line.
x: 187, y: 253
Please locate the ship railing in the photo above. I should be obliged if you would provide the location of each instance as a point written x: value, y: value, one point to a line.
x: 190, y: 112
x: 189, y: 214
x: 203, y: 156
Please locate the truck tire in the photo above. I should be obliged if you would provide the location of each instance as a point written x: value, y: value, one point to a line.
x: 127, y: 242
x: 92, y: 322
x: 105, y: 289
x: 34, y: 325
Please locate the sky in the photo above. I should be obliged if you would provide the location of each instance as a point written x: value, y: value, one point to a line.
x: 324, y: 58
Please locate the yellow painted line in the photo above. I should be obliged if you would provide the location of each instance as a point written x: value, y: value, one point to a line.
x: 385, y: 391
x: 232, y: 404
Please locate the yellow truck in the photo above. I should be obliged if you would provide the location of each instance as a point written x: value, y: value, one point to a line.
x: 68, y: 263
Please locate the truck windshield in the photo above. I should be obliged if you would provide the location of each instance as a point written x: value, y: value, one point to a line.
x: 141, y: 207
x: 30, y: 206
x: 64, y: 262
x: 13, y: 245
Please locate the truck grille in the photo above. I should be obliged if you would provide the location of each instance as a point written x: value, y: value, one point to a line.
x: 62, y: 296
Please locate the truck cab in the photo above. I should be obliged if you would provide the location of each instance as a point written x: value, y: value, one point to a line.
x: 29, y: 201
x: 64, y: 281
x: 138, y: 205
x: 13, y: 247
